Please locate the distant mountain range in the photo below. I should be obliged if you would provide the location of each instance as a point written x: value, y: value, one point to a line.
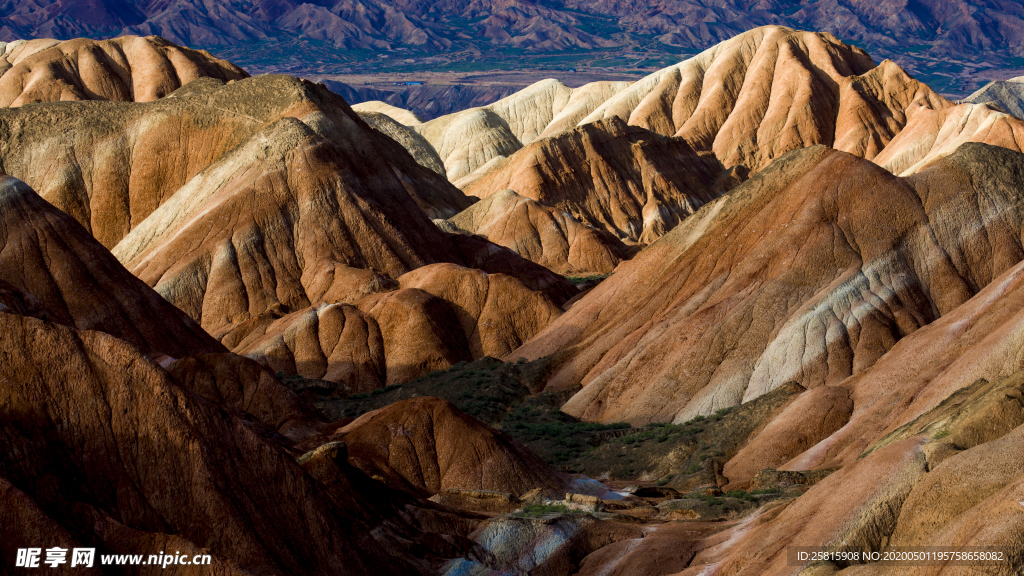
x: 941, y: 41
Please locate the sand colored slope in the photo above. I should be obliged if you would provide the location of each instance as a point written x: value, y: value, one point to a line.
x: 933, y: 134
x: 109, y: 165
x: 771, y: 90
x: 125, y: 69
x: 416, y: 145
x: 547, y: 236
x: 790, y: 277
x: 468, y: 140
x: 622, y: 179
x: 747, y: 100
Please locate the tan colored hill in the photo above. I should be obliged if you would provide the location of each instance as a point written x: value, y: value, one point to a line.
x: 766, y: 92
x: 747, y: 100
x: 468, y: 140
x: 400, y: 115
x: 547, y: 236
x: 427, y: 445
x: 124, y: 160
x: 622, y: 179
x: 809, y: 272
x: 934, y: 134
x: 124, y: 69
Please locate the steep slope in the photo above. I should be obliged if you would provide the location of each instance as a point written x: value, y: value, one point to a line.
x: 125, y: 69
x: 747, y: 100
x: 933, y: 134
x: 106, y: 448
x: 548, y: 236
x: 285, y: 220
x: 50, y: 268
x: 109, y: 165
x: 790, y: 277
x: 427, y: 445
x: 416, y: 145
x: 625, y: 180
x: 75, y: 281
x: 771, y: 90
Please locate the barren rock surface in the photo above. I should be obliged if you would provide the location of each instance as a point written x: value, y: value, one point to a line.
x: 550, y: 237
x: 625, y: 180
x: 125, y: 69
x: 787, y: 278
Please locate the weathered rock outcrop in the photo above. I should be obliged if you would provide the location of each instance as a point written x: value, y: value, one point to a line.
x: 790, y: 277
x: 426, y: 445
x: 626, y: 180
x: 124, y: 69
x: 548, y: 236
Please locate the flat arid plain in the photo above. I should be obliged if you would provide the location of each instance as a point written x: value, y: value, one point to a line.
x: 713, y: 294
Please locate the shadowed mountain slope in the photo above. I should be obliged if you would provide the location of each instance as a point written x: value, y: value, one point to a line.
x: 75, y: 281
x: 109, y: 451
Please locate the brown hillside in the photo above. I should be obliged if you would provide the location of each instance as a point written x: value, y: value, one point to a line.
x: 108, y: 450
x: 427, y: 445
x: 124, y: 160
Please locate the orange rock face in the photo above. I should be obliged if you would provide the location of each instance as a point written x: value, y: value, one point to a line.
x: 426, y: 445
x: 548, y: 236
x: 124, y: 69
x: 628, y: 181
x: 934, y: 134
x: 439, y: 315
x: 809, y: 272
